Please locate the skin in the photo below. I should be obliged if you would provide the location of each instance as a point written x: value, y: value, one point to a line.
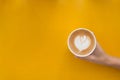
x: 100, y: 57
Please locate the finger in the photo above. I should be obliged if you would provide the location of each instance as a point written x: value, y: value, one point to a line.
x: 90, y: 57
x: 80, y: 57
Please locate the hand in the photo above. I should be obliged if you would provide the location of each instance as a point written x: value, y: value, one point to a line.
x: 98, y: 56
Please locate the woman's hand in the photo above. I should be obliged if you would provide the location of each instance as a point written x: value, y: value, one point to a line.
x: 100, y: 57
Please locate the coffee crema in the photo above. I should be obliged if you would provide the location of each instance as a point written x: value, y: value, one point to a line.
x: 81, y: 42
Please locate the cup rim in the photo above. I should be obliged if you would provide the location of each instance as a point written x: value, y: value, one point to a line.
x: 78, y: 55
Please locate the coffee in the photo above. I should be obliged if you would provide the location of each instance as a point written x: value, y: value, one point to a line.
x: 81, y: 41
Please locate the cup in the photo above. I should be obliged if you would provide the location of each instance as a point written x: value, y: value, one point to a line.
x: 81, y: 42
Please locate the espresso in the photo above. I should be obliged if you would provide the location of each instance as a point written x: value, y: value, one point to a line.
x: 81, y: 42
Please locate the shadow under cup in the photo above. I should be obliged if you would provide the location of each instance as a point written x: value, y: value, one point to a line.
x: 86, y: 36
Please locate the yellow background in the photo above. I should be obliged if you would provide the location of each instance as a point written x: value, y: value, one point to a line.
x: 33, y: 35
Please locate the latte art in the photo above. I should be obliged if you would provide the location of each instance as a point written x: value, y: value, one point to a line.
x: 82, y: 42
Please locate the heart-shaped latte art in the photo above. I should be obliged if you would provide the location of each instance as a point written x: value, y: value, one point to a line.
x: 82, y: 42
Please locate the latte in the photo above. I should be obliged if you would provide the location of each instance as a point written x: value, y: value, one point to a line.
x: 81, y: 42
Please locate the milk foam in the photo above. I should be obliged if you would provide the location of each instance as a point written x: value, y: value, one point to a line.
x: 82, y: 42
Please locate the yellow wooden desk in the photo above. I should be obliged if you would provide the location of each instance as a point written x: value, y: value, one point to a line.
x: 33, y: 35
